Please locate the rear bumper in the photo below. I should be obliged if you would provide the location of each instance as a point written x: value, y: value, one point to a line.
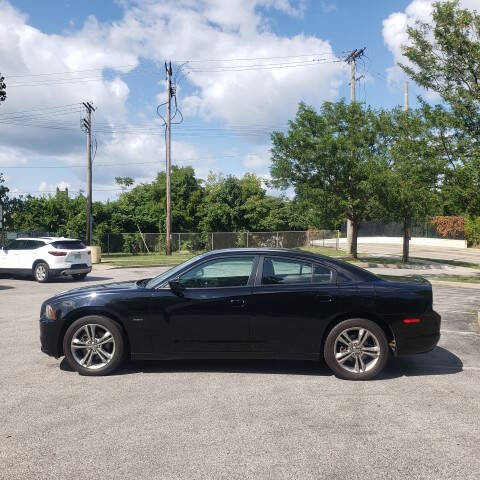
x: 71, y: 270
x: 417, y: 338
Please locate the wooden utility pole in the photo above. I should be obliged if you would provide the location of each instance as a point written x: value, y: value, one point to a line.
x: 406, y: 222
x: 168, y: 150
x: 352, y: 60
x: 87, y: 124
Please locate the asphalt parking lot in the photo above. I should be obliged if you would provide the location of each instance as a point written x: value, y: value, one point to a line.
x: 237, y: 419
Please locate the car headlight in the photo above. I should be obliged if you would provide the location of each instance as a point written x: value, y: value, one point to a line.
x: 50, y: 313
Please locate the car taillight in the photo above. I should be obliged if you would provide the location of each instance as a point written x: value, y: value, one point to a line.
x: 408, y: 321
x: 58, y: 254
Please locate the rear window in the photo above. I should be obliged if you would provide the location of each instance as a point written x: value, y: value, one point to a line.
x: 69, y: 245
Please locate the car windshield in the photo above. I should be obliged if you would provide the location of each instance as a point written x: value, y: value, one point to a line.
x: 156, y: 281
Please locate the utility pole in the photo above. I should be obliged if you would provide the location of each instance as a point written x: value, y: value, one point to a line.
x: 405, y: 96
x: 87, y: 124
x: 168, y: 151
x: 352, y: 60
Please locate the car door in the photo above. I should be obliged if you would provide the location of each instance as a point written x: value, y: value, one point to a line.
x: 211, y: 312
x: 9, y: 257
x: 26, y: 254
x: 292, y: 300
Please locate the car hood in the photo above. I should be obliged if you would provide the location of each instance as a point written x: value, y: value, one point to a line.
x: 101, y: 289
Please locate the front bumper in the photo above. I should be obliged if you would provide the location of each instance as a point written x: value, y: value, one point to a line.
x: 50, y: 337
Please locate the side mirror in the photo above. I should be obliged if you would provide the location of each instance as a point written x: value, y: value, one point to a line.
x: 176, y: 287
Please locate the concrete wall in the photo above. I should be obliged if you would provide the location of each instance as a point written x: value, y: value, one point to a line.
x: 432, y: 242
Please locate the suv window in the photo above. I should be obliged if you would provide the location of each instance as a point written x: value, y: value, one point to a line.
x: 33, y: 244
x: 16, y: 245
x: 222, y: 272
x: 68, y: 245
x: 279, y: 271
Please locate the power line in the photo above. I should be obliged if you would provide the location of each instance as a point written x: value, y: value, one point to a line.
x: 194, y: 159
x: 137, y: 65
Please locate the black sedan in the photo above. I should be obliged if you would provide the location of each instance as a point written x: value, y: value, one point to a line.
x: 245, y: 303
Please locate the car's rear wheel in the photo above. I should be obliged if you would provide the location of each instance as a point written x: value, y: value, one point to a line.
x: 356, y: 349
x: 41, y: 272
x: 94, y: 345
x: 79, y: 276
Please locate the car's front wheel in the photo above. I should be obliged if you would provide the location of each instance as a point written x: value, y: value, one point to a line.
x: 94, y: 345
x: 356, y: 349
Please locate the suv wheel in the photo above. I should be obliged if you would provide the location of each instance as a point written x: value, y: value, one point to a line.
x: 356, y: 349
x: 94, y: 345
x: 41, y: 272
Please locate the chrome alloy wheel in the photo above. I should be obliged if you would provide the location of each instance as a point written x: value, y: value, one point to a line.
x: 93, y: 346
x: 40, y: 272
x: 357, y: 350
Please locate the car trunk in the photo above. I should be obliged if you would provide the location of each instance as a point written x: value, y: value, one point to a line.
x: 408, y: 294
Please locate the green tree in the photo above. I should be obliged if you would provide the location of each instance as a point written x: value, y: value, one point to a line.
x: 234, y: 204
x: 408, y: 187
x: 329, y: 159
x: 444, y: 57
x: 124, y: 182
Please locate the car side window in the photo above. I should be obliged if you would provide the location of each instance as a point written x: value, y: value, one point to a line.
x: 321, y: 274
x: 282, y: 271
x: 29, y: 245
x: 33, y: 244
x: 222, y: 272
x: 16, y: 245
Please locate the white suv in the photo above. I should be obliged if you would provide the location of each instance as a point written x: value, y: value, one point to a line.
x: 46, y: 257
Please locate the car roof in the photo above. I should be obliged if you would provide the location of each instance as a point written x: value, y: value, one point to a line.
x: 268, y: 250
x: 50, y: 239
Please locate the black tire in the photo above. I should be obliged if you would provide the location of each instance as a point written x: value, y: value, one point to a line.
x: 79, y: 276
x: 41, y: 272
x: 101, y: 324
x: 351, y: 356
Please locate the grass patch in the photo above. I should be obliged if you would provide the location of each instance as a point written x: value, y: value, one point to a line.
x: 456, y: 263
x: 162, y: 260
x: 146, y: 259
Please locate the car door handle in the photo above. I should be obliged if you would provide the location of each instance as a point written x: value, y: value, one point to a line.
x: 323, y: 298
x: 237, y: 302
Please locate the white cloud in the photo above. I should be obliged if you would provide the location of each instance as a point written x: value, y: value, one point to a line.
x: 215, y: 29
x: 395, y: 30
x: 258, y: 161
x: 328, y: 7
x: 203, y: 29
x: 51, y: 187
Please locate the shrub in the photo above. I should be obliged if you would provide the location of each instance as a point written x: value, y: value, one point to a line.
x: 449, y: 226
x: 472, y: 231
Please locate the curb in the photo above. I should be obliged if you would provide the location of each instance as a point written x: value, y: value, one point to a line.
x: 446, y: 283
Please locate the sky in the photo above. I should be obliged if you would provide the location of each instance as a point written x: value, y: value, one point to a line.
x: 241, y: 68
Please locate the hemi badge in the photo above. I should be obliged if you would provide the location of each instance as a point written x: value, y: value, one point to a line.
x: 137, y: 319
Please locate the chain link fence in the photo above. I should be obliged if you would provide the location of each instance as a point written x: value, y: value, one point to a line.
x: 376, y: 228
x: 135, y: 243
